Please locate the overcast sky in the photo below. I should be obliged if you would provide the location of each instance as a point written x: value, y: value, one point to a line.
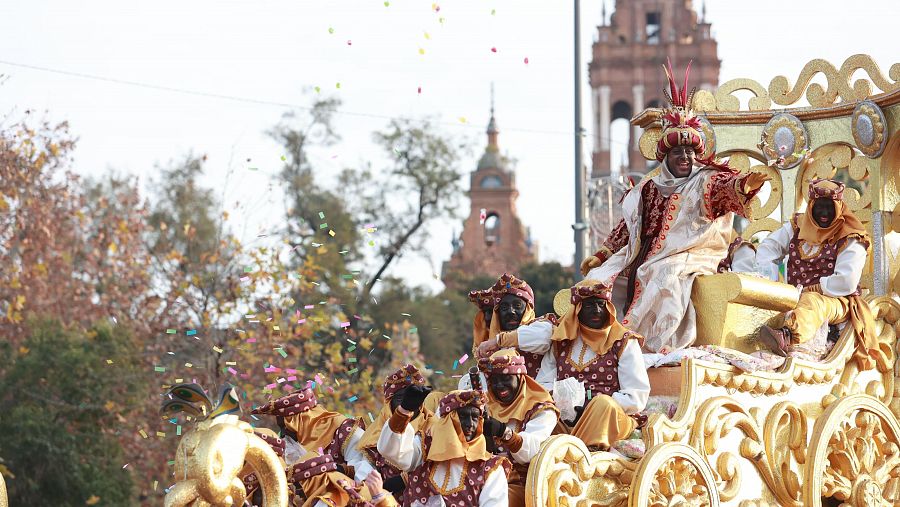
x: 381, y: 53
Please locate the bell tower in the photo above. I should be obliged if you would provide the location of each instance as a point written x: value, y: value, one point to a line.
x: 493, y: 240
x: 626, y: 73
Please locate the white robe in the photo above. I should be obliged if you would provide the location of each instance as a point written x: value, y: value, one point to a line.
x: 405, y: 450
x: 694, y: 244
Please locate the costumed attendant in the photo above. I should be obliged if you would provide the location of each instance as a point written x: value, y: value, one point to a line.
x: 307, y: 425
x: 521, y: 415
x: 592, y: 347
x: 406, y: 380
x: 826, y: 253
x: 676, y: 226
x: 451, y: 465
x: 514, y: 307
x: 318, y: 483
x: 380, y: 496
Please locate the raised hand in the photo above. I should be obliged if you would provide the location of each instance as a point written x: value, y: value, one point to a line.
x: 414, y: 397
x: 493, y: 428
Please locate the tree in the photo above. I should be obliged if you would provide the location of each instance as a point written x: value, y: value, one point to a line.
x: 546, y: 279
x: 65, y: 251
x: 62, y: 400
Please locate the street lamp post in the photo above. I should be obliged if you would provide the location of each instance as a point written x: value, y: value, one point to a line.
x: 579, y: 226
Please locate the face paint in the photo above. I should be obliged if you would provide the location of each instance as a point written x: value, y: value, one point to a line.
x: 680, y: 161
x: 469, y: 417
x: 510, y: 312
x: 593, y: 313
x: 504, y: 387
x: 823, y: 212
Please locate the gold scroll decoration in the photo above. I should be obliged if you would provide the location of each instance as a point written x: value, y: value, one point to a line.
x: 854, y: 455
x: 869, y: 128
x: 673, y: 474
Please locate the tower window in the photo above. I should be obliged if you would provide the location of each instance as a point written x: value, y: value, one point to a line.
x: 491, y: 182
x: 653, y: 20
x: 492, y: 229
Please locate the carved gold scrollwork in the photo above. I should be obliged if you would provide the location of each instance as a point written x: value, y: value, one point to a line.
x: 718, y: 416
x: 3, y: 499
x: 671, y: 475
x: 854, y: 455
x: 565, y: 473
x: 761, y: 210
x: 839, y: 85
x: 725, y: 101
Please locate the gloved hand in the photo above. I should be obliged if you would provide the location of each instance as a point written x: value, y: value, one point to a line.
x: 578, y: 412
x: 493, y: 428
x: 414, y: 397
x: 754, y: 181
x: 395, y: 485
x: 590, y: 262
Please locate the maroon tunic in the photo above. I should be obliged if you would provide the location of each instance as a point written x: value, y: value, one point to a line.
x: 339, y: 443
x: 475, y: 473
x: 520, y: 470
x: 807, y: 268
x: 600, y: 376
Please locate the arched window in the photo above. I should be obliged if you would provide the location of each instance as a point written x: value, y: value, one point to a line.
x: 491, y: 181
x: 492, y: 229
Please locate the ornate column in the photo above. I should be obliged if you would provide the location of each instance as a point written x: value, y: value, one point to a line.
x: 603, y: 106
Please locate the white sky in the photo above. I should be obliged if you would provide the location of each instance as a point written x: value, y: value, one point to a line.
x: 271, y: 51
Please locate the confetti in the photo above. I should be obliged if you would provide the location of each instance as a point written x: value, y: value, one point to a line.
x: 462, y: 119
x: 464, y: 358
x: 192, y: 332
x: 317, y: 89
x: 109, y: 361
x: 421, y: 51
x: 125, y: 465
x: 526, y: 60
x: 420, y: 90
x: 427, y: 37
x: 493, y: 12
x: 217, y: 349
x: 337, y: 85
x: 160, y: 369
x: 354, y: 370
x: 371, y: 419
x: 281, y: 351
x: 353, y: 398
x: 171, y: 331
x: 178, y: 430
x: 322, y: 215
x: 330, y: 30
x: 387, y: 4
x: 143, y: 433
x: 436, y: 7
x: 345, y: 324
x: 493, y: 50
x: 455, y: 364
x: 349, y: 43
x: 482, y: 216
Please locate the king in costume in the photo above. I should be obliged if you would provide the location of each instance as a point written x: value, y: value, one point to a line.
x: 676, y: 226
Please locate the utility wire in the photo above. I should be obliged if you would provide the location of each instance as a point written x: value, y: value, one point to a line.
x: 250, y: 100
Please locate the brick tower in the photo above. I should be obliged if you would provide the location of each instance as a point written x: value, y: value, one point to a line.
x: 500, y: 243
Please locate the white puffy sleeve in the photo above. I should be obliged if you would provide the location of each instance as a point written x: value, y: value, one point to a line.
x: 536, y: 432
x: 743, y: 260
x: 355, y: 458
x: 535, y: 337
x: 495, y: 492
x: 634, y: 384
x: 848, y: 269
x: 547, y: 374
x: 610, y: 269
x: 403, y: 449
x: 774, y: 248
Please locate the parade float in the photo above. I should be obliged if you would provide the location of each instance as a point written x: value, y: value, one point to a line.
x: 806, y: 433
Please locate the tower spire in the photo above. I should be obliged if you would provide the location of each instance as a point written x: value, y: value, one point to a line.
x: 703, y: 12
x: 603, y: 13
x: 492, y: 130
